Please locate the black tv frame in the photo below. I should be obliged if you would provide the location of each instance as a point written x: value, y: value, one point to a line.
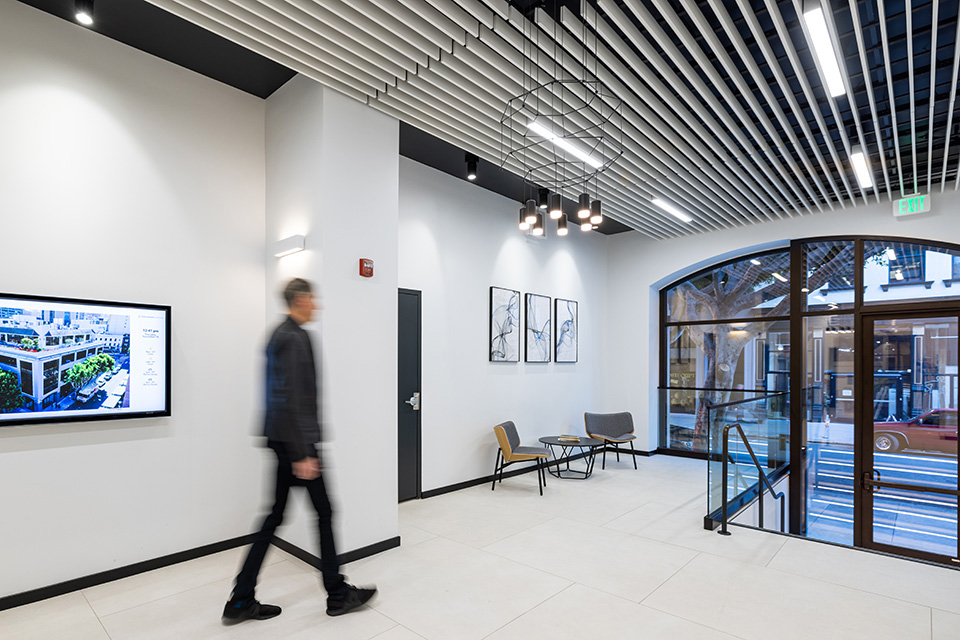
x: 38, y: 418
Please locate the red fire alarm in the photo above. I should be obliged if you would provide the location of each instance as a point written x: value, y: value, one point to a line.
x: 366, y: 268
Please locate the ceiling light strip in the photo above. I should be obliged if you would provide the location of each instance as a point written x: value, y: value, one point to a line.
x: 638, y: 69
x: 320, y: 72
x: 793, y: 144
x: 789, y: 178
x: 412, y: 111
x: 864, y: 64
x: 790, y: 48
x: 854, y: 109
x: 732, y: 128
x: 645, y: 142
x: 663, y: 129
x: 487, y: 69
x: 774, y: 64
x: 499, y: 41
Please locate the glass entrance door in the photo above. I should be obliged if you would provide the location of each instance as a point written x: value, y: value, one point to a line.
x: 908, y: 436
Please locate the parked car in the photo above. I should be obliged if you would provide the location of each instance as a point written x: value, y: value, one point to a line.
x: 933, y: 431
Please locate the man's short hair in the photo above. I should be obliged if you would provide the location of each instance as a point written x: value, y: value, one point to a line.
x: 294, y: 288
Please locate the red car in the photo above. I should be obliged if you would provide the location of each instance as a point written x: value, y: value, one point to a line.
x: 933, y: 431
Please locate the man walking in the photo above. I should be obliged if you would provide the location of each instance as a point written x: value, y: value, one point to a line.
x: 292, y: 429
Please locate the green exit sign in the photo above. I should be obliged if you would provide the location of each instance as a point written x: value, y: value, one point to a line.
x: 911, y: 205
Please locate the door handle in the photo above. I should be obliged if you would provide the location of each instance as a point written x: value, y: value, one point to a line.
x: 414, y: 401
x: 867, y: 482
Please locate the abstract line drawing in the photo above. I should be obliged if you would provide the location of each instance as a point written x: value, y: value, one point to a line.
x: 539, y: 344
x: 504, y: 325
x: 567, y: 329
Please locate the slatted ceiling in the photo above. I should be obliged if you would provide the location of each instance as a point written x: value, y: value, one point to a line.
x: 724, y: 110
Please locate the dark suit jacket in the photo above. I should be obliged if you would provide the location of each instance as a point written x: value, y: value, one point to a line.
x: 292, y: 416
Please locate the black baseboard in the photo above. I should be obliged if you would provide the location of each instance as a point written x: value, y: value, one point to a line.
x: 35, y: 595
x: 432, y: 493
x: 345, y: 558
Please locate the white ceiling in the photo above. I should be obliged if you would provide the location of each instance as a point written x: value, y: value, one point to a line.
x: 724, y: 112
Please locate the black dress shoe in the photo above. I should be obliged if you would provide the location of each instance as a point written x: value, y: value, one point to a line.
x: 355, y: 598
x: 238, y: 610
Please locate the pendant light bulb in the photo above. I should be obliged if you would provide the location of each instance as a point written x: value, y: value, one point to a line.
x: 556, y: 206
x: 586, y: 226
x: 596, y: 217
x: 538, y: 226
x: 531, y: 212
x: 562, y: 226
x: 544, y: 196
x: 584, y: 208
x: 524, y: 225
x: 472, y: 161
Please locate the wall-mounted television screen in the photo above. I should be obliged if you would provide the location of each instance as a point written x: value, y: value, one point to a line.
x: 65, y: 360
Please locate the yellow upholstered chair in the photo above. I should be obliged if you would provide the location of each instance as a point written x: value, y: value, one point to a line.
x: 510, y: 451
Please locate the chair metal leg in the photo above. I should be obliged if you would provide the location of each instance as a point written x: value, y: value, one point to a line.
x: 634, y: 454
x: 540, y: 476
x: 616, y: 445
x: 604, y: 466
x: 495, y: 468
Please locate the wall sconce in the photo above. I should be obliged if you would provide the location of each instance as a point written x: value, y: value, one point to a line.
x: 285, y: 247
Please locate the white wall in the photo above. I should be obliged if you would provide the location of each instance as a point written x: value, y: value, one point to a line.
x: 332, y: 176
x: 456, y: 241
x: 639, y: 267
x: 127, y: 178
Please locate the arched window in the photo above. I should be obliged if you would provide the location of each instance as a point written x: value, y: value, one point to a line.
x: 726, y: 330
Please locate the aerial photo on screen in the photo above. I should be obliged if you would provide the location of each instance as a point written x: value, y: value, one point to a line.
x: 56, y: 360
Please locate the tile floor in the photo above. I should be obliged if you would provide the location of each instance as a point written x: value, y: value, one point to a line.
x: 622, y: 555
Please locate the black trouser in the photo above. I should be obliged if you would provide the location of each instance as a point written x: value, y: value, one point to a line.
x: 329, y: 563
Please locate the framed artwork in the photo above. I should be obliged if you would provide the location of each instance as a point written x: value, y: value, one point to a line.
x: 538, y: 342
x: 567, y: 330
x: 504, y: 325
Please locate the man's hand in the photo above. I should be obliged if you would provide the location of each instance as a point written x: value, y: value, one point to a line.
x: 307, y: 469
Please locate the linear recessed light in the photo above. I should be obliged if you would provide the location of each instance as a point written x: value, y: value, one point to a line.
x: 755, y: 261
x: 669, y: 208
x: 823, y: 48
x: 779, y: 277
x: 544, y: 132
x: 891, y: 254
x: 859, y: 161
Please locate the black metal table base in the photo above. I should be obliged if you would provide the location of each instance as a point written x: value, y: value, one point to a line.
x: 560, y: 467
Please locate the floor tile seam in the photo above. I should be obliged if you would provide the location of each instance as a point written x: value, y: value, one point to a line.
x: 670, y: 577
x: 833, y: 584
x: 99, y: 621
x: 696, y: 622
x: 517, y: 617
x: 169, y: 595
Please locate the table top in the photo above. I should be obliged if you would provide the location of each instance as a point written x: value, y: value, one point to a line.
x: 583, y: 442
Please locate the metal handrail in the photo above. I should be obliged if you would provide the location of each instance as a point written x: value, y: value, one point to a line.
x: 735, y: 402
x: 762, y: 480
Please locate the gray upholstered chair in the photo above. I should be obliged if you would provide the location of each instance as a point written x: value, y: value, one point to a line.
x: 611, y: 428
x: 510, y: 451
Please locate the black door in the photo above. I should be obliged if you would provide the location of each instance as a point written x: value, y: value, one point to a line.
x: 408, y: 395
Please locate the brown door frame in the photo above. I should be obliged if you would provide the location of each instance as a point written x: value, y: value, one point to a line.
x: 863, y: 425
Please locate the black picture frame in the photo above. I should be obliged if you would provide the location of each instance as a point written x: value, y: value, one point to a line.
x: 566, y: 330
x: 503, y: 338
x: 538, y: 321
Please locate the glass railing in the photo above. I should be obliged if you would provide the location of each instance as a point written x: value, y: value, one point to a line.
x: 765, y: 421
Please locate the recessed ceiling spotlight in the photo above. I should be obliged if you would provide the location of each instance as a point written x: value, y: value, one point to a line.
x: 84, y: 10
